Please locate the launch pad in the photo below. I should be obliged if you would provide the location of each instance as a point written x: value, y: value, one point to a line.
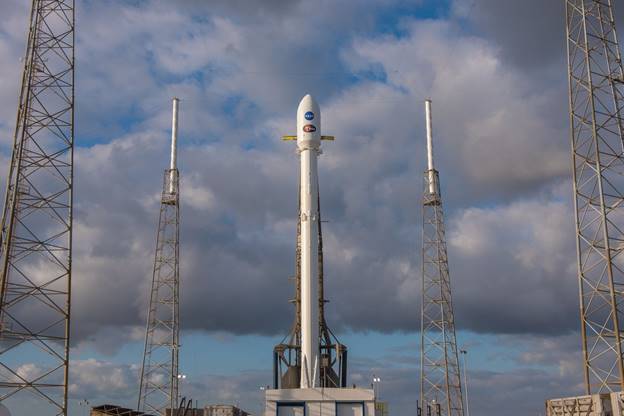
x: 605, y: 404
x: 320, y: 401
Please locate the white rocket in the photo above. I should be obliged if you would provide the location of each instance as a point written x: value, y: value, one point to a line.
x: 309, y: 147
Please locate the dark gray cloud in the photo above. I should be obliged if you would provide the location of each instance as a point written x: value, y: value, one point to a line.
x: 525, y: 266
x: 243, y: 8
x: 530, y: 33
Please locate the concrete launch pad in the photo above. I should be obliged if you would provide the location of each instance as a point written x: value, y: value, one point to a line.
x: 320, y: 401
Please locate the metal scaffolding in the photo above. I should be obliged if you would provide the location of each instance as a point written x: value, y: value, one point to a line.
x: 159, y: 373
x: 440, y: 382
x: 596, y: 87
x: 36, y: 237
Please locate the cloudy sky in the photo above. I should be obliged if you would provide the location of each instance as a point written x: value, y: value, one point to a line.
x: 496, y: 73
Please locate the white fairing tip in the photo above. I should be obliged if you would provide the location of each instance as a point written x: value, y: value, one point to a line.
x: 308, y: 124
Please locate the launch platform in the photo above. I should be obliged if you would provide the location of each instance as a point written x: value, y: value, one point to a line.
x: 605, y: 404
x: 320, y: 401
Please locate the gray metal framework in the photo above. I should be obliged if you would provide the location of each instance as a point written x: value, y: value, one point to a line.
x: 36, y: 235
x: 159, y: 373
x: 596, y: 87
x: 440, y: 382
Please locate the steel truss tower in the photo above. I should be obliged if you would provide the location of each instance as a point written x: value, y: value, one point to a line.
x: 440, y: 382
x: 36, y: 236
x: 596, y: 87
x: 159, y: 373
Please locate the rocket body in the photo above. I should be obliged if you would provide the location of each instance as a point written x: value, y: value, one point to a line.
x: 309, y: 144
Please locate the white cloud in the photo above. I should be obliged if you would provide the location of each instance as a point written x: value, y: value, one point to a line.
x: 94, y: 378
x: 489, y: 119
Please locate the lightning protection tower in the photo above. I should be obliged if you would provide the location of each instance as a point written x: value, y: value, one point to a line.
x: 36, y: 236
x: 596, y: 89
x: 159, y: 373
x: 440, y: 382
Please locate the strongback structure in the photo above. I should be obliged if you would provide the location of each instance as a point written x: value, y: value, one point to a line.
x: 36, y: 237
x: 440, y: 382
x: 159, y: 373
x: 596, y: 87
x: 310, y: 356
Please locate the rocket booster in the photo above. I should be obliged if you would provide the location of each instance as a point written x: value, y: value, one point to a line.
x: 309, y: 145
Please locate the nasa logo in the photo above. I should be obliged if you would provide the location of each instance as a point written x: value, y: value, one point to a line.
x: 309, y: 115
x: 309, y: 128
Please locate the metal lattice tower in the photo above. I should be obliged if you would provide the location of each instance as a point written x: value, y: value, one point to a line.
x: 440, y: 382
x: 159, y: 373
x: 36, y: 237
x: 596, y: 106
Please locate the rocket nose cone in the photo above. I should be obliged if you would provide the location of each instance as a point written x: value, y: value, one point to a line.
x: 308, y: 102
